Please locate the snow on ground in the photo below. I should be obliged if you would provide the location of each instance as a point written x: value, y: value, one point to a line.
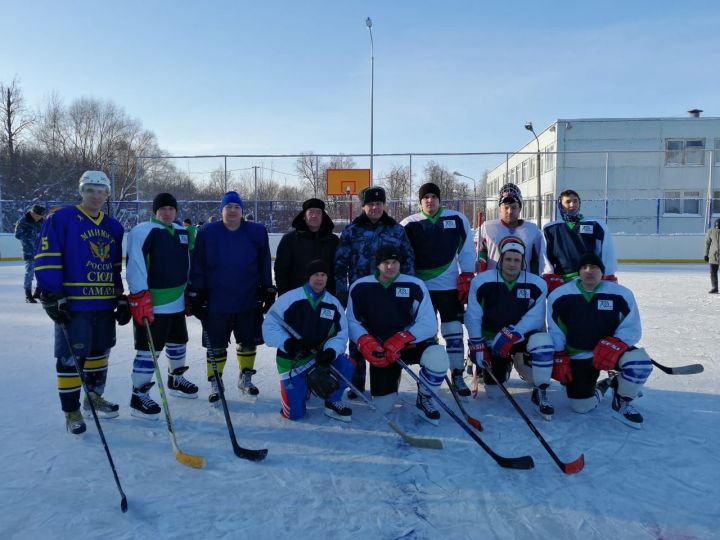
x: 324, y: 479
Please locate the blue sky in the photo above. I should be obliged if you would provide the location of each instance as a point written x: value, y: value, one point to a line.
x: 285, y: 77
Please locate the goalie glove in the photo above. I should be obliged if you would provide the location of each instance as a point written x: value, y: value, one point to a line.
x: 322, y: 381
x: 504, y: 341
x: 607, y: 353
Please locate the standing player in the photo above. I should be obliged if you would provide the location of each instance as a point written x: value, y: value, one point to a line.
x: 390, y: 316
x: 594, y: 325
x: 304, y: 362
x: 444, y: 259
x: 493, y: 231
x: 712, y: 254
x: 78, y: 267
x: 158, y: 264
x: 569, y: 237
x: 27, y: 230
x: 231, y: 286
x: 505, y: 316
x: 355, y: 257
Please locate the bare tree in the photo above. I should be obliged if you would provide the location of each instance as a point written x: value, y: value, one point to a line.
x: 397, y: 183
x: 310, y: 172
x: 444, y: 179
x: 15, y: 118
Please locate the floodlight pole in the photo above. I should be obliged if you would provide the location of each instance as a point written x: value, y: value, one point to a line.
x: 368, y: 22
x: 529, y: 127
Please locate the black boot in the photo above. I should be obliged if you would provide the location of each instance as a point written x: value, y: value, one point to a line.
x: 29, y: 298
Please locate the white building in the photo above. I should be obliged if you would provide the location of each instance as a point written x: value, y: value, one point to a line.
x: 644, y: 175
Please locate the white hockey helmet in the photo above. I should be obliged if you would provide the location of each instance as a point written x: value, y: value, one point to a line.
x: 94, y: 178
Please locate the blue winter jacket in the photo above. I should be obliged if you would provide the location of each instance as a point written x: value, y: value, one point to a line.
x: 27, y: 230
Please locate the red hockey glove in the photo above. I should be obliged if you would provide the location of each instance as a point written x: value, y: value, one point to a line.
x: 607, y: 353
x: 396, y: 343
x: 463, y: 286
x: 553, y: 281
x: 479, y: 352
x: 561, y: 371
x: 504, y: 341
x: 372, y: 351
x: 141, y: 306
x: 481, y: 265
x: 611, y: 277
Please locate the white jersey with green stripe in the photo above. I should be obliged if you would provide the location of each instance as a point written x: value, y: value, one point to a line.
x: 443, y: 247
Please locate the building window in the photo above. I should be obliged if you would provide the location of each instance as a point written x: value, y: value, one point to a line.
x: 548, y: 206
x: 716, y: 203
x: 533, y: 166
x: 524, y: 173
x: 684, y: 152
x: 547, y: 159
x: 682, y: 203
x: 717, y: 151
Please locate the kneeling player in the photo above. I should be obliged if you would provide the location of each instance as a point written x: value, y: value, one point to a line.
x: 506, y: 316
x: 390, y: 316
x: 304, y: 363
x: 594, y: 325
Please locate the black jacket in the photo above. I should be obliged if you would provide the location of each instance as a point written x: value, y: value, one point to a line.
x: 300, y: 247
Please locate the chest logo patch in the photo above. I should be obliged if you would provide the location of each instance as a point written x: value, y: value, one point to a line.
x: 586, y: 229
x: 523, y: 293
x: 326, y: 313
x: 605, y: 305
x: 402, y: 292
x: 183, y: 239
x: 449, y: 224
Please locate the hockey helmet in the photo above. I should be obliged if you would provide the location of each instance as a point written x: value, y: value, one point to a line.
x: 512, y: 243
x: 94, y: 178
x: 509, y: 194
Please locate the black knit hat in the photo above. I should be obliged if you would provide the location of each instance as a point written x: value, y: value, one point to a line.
x: 38, y: 209
x: 388, y: 252
x: 590, y: 258
x: 313, y: 203
x: 372, y: 194
x: 318, y: 265
x: 163, y: 199
x: 429, y: 188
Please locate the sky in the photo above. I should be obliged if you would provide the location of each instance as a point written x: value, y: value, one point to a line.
x: 284, y: 77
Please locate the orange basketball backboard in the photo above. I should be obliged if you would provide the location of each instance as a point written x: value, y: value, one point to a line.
x: 347, y: 181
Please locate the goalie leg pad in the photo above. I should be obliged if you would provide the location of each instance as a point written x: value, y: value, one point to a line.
x: 293, y: 396
x: 452, y: 333
x: 541, y: 349
x: 635, y: 368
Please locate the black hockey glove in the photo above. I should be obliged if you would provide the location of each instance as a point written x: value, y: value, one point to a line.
x: 322, y: 381
x: 325, y: 358
x: 56, y: 307
x: 122, y: 311
x: 297, y: 348
x: 197, y: 304
x: 266, y: 297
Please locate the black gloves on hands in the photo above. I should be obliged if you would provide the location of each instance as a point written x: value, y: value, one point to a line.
x: 122, y: 311
x: 56, y: 307
x: 297, y: 348
x: 325, y: 358
x: 197, y: 304
x: 266, y: 297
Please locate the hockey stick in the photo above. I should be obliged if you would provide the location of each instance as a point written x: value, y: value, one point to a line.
x: 572, y: 467
x: 690, y: 369
x: 419, y: 442
x: 474, y: 422
x: 123, y: 498
x: 197, y: 462
x: 245, y: 453
x: 521, y: 462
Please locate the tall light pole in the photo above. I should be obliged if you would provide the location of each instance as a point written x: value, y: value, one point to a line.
x: 474, y: 219
x: 368, y: 22
x: 529, y: 127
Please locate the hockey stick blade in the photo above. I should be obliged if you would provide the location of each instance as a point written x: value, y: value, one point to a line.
x: 474, y: 422
x: 690, y: 369
x: 123, y: 504
x: 572, y: 467
x: 418, y: 442
x: 196, y: 462
x: 247, y: 453
x: 521, y: 462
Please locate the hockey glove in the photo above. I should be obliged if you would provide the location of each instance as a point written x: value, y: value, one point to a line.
x: 56, y: 307
x: 266, y: 297
x: 561, y: 371
x: 463, y: 286
x: 297, y: 348
x: 607, y: 353
x: 505, y: 339
x: 122, y: 311
x: 706, y: 258
x: 141, y: 307
x: 322, y: 381
x: 196, y: 303
x: 372, y: 351
x: 395, y: 344
x: 553, y: 281
x: 325, y: 358
x: 479, y: 352
x: 481, y: 265
x: 611, y: 277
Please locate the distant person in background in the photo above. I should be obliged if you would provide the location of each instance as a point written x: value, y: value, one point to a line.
x: 492, y: 232
x: 569, y: 237
x: 312, y: 239
x: 27, y: 230
x: 712, y: 254
x: 192, y: 232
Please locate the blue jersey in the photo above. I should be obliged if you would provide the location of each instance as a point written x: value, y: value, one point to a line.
x: 230, y: 265
x: 567, y: 241
x: 80, y: 258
